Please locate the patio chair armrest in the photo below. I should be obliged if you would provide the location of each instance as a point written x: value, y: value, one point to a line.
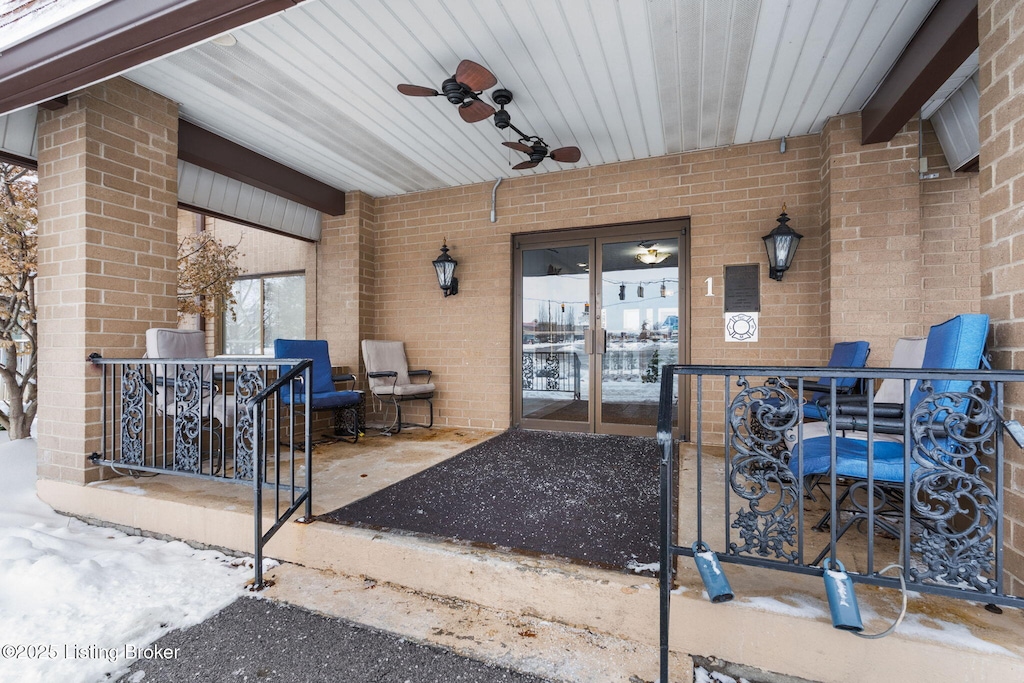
x: 880, y: 410
x: 883, y: 425
x: 420, y: 373
x: 344, y: 377
x: 378, y: 375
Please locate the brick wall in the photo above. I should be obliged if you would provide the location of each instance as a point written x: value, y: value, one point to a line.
x: 874, y: 237
x: 862, y: 270
x: 344, y: 290
x: 732, y: 195
x: 1001, y: 128
x: 107, y: 218
x: 950, y: 229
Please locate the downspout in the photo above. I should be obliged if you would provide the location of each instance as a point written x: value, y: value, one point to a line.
x: 494, y: 201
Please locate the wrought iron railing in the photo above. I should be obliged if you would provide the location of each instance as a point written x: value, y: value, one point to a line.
x: 920, y: 490
x: 216, y: 419
x: 552, y: 371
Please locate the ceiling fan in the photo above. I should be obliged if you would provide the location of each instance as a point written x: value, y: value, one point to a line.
x: 532, y: 145
x: 539, y: 151
x: 463, y: 89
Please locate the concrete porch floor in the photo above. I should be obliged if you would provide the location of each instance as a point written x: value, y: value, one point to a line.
x: 540, y: 615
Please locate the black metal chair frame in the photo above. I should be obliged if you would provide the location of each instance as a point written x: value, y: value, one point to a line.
x: 397, y: 400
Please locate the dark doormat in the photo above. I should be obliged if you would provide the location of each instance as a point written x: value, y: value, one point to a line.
x: 588, y: 498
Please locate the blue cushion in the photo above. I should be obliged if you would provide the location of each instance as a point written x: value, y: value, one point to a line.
x: 334, y: 399
x: 315, y: 350
x: 956, y: 344
x: 844, y: 355
x: 812, y: 411
x: 852, y: 458
x: 849, y: 355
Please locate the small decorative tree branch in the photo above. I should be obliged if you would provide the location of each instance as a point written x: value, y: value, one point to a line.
x: 207, y: 269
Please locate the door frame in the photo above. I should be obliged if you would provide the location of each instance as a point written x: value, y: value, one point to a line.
x: 674, y: 228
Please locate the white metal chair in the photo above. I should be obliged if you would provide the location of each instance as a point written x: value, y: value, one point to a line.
x: 188, y: 395
x: 391, y: 381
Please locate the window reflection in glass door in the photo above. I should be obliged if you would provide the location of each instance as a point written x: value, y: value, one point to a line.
x: 640, y: 322
x: 555, y: 321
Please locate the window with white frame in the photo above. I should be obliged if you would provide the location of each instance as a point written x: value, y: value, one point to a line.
x: 269, y: 307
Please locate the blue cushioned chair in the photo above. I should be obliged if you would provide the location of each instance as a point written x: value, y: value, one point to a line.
x: 344, y: 404
x: 957, y: 344
x: 844, y: 355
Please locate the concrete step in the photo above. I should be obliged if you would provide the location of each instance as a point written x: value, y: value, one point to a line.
x: 778, y: 623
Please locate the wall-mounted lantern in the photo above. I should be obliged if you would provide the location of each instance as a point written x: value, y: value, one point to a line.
x: 781, y: 244
x: 445, y: 267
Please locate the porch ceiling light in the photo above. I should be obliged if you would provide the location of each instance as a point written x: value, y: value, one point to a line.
x: 651, y: 256
x: 445, y: 267
x: 781, y: 244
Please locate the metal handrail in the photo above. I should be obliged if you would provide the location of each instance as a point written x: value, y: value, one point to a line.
x: 172, y: 416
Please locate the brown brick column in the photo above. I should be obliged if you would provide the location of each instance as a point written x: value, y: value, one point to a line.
x: 871, y: 240
x: 345, y: 280
x: 1001, y: 29
x: 108, y: 186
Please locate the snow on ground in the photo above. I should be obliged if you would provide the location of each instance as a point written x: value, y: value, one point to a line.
x: 78, y: 601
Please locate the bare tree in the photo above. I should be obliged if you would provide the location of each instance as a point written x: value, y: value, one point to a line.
x: 207, y: 269
x: 18, y: 270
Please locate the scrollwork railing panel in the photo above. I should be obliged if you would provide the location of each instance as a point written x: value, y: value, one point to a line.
x: 247, y: 385
x: 949, y: 495
x: 133, y: 415
x: 759, y: 418
x: 188, y: 418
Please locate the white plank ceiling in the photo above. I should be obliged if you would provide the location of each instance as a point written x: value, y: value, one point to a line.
x: 314, y: 86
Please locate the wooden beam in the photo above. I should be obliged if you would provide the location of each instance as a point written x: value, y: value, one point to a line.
x: 201, y: 147
x: 55, y: 104
x: 112, y: 38
x: 18, y: 160
x: 946, y: 39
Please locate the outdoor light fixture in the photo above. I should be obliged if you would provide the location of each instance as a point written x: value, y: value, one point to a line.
x: 445, y: 267
x: 781, y: 245
x: 651, y: 256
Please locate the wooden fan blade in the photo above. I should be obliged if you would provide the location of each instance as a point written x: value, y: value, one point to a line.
x: 416, y: 90
x: 525, y: 164
x: 519, y: 147
x: 568, y: 155
x: 475, y: 111
x: 474, y: 76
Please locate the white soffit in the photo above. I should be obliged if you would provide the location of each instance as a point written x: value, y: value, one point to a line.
x: 967, y: 70
x: 314, y: 87
x: 956, y: 125
x: 204, y: 189
x: 18, y: 133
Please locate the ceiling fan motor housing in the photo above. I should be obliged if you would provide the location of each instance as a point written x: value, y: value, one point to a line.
x: 454, y: 91
x: 539, y: 152
x: 502, y: 119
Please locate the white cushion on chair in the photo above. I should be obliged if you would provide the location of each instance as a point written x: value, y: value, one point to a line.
x: 173, y: 344
x: 908, y: 353
x: 389, y: 356
x: 168, y: 342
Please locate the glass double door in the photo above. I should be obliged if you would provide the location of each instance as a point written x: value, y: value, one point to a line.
x: 597, y: 317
